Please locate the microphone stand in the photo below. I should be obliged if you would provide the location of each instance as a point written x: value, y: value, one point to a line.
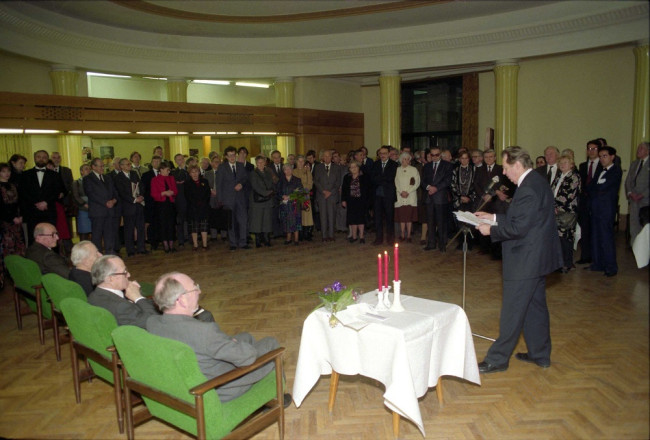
x: 466, y: 230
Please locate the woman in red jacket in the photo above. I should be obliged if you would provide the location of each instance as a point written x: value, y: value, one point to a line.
x: 163, y: 191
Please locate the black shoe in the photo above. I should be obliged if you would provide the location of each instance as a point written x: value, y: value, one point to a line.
x: 145, y: 252
x: 233, y: 248
x: 287, y: 241
x: 524, y: 357
x: 583, y: 261
x: 245, y: 247
x: 484, y: 367
x: 429, y: 248
x: 362, y: 241
x: 610, y: 274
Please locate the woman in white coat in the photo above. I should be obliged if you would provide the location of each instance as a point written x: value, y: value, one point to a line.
x: 407, y: 181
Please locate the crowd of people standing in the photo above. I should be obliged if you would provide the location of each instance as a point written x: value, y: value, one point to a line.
x: 169, y: 203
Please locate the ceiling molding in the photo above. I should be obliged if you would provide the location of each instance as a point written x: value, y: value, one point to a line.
x: 392, y: 6
x: 615, y: 24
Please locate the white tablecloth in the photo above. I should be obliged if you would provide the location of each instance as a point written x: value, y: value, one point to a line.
x: 407, y: 352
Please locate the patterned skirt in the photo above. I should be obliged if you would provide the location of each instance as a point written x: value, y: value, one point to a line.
x: 290, y: 217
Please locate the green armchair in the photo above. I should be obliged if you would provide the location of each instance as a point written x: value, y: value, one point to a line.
x: 27, y: 283
x: 58, y: 289
x: 166, y: 374
x: 90, y: 338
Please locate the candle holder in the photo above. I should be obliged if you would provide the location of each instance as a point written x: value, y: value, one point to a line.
x: 382, y: 297
x: 397, y: 304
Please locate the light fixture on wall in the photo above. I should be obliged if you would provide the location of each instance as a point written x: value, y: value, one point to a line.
x: 162, y: 132
x: 204, y: 133
x: 11, y: 131
x: 34, y: 131
x: 211, y: 81
x: 107, y: 75
x: 249, y: 84
x: 97, y: 132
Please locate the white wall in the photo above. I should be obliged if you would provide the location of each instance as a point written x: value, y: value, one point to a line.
x: 230, y: 95
x: 327, y: 94
x: 24, y: 75
x: 371, y: 118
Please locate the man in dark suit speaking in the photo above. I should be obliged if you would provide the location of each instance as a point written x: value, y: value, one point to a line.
x: 531, y: 250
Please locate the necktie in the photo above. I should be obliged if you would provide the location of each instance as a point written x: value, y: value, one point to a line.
x: 549, y: 173
x: 101, y: 178
x: 40, y: 170
x: 327, y: 167
x: 435, y: 168
x: 489, y: 169
x: 383, y: 165
x: 590, y: 172
x: 234, y: 172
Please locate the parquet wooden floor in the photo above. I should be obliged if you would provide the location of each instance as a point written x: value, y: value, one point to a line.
x: 597, y: 387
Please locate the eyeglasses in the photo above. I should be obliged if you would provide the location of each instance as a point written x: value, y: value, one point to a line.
x: 435, y: 155
x: 50, y: 235
x: 125, y: 273
x: 197, y: 288
x: 592, y: 148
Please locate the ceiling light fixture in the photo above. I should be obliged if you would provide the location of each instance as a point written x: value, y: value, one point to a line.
x: 11, y: 130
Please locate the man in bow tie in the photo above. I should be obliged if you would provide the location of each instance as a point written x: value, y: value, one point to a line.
x: 603, y: 191
x: 39, y: 189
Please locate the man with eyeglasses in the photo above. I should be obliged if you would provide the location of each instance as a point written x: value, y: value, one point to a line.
x: 45, y: 238
x: 119, y: 295
x: 177, y: 295
x: 436, y: 180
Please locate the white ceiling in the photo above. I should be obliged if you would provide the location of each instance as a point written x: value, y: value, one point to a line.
x: 344, y: 39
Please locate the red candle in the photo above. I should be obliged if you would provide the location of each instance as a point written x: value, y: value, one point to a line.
x: 379, y: 279
x: 386, y: 268
x: 396, y: 261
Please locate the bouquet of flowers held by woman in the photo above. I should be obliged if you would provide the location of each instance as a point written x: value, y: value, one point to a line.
x: 301, y: 197
x: 335, y: 298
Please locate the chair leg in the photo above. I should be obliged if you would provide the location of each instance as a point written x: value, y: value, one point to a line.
x: 395, y: 424
x: 19, y: 315
x: 55, y: 332
x: 39, y: 315
x: 74, y: 358
x: 128, y: 408
x: 120, y: 405
x: 439, y: 390
x: 334, y: 384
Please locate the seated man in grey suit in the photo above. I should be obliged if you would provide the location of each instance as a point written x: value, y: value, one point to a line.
x: 45, y: 238
x: 177, y: 295
x: 122, y: 297
x: 117, y: 294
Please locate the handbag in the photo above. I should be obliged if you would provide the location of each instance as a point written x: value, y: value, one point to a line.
x: 259, y: 198
x: 566, y: 220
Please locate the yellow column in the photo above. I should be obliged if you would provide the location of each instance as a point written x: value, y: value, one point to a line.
x: 641, y: 118
x: 284, y: 98
x: 178, y: 144
x: 64, y: 82
x: 177, y: 92
x: 505, y: 130
x: 389, y: 90
x: 207, y: 145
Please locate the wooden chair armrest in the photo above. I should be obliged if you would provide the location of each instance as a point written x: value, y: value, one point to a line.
x: 111, y: 348
x: 237, y: 372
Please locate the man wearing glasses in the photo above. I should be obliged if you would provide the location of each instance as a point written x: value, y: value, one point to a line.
x: 119, y: 295
x: 177, y: 295
x: 45, y: 238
